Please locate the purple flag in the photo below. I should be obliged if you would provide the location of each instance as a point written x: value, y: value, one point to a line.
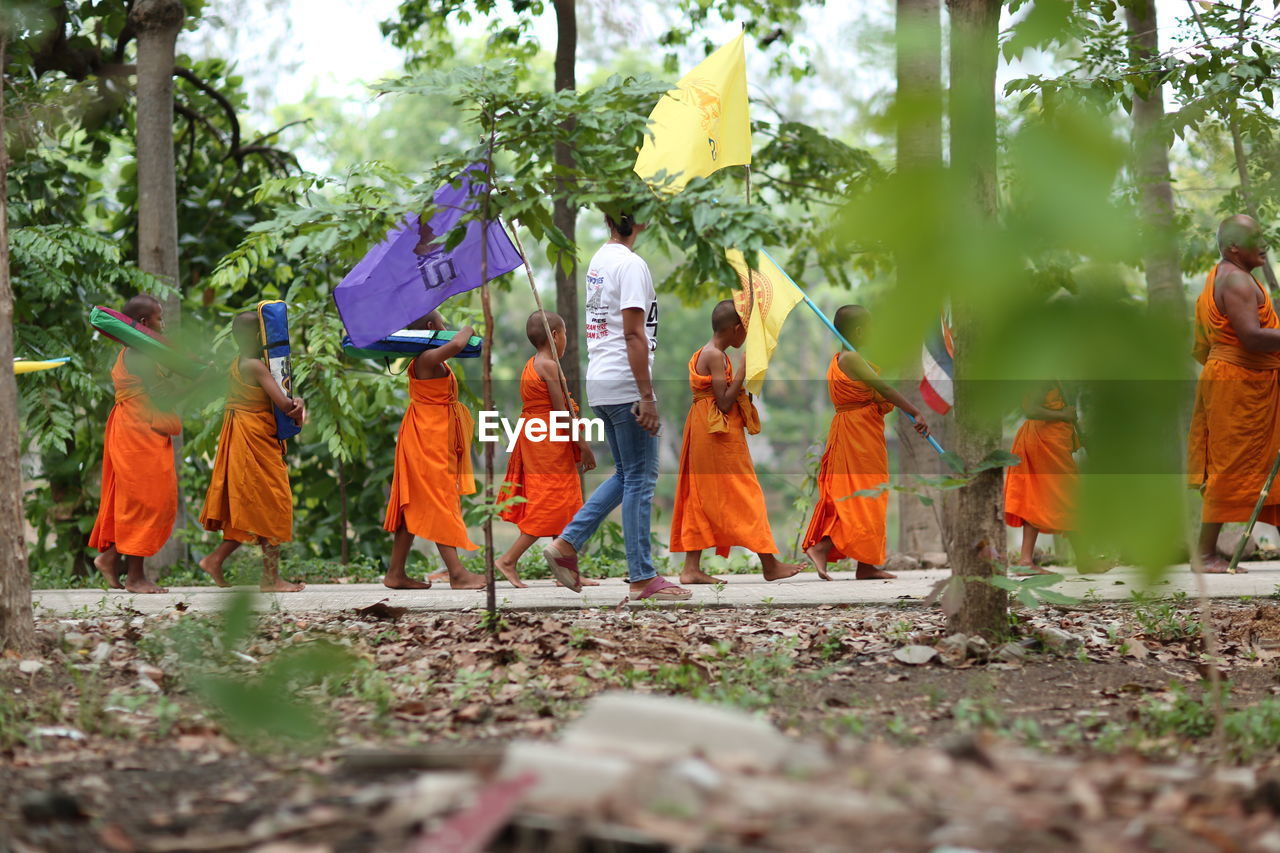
x: 410, y: 273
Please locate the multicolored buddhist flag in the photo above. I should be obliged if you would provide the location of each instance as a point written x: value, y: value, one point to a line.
x: 763, y: 300
x: 701, y: 125
x: 938, y: 385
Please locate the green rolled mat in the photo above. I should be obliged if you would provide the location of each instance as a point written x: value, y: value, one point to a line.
x: 126, y: 330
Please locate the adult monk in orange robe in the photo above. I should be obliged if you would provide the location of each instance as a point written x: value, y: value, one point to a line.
x: 139, y: 484
x: 719, y: 503
x: 249, y: 498
x: 433, y: 466
x: 1040, y: 493
x: 544, y: 472
x: 1235, y: 425
x: 856, y: 459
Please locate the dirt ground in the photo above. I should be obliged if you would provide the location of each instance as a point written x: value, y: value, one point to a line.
x: 291, y: 734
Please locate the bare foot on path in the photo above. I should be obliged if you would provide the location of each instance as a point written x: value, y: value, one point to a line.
x: 466, y: 580
x: 871, y: 573
x: 143, y: 587
x: 1028, y: 570
x: 214, y: 570
x: 404, y: 582
x: 819, y: 560
x: 509, y: 572
x: 282, y: 585
x: 108, y: 564
x: 782, y: 571
x: 1216, y: 565
x: 582, y: 582
x: 694, y: 576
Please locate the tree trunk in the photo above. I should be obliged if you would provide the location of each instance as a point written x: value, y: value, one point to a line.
x: 977, y: 530
x: 1151, y: 172
x: 157, y: 23
x: 919, y: 123
x: 17, y: 626
x: 563, y: 215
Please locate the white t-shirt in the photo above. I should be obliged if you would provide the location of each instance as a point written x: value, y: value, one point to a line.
x: 617, y: 278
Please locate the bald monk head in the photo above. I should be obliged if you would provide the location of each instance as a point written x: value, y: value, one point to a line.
x: 852, y: 321
x: 537, y: 331
x: 145, y: 310
x: 1241, y: 241
x: 247, y: 331
x: 726, y: 324
x: 433, y: 322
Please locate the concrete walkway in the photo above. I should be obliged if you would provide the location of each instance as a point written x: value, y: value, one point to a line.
x: 805, y: 590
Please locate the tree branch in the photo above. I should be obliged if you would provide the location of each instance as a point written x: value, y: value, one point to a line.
x: 194, y: 116
x: 227, y: 107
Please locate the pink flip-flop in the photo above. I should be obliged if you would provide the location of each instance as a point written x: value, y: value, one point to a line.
x: 565, y: 569
x: 663, y: 590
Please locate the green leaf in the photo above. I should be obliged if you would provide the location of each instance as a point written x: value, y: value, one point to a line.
x: 1040, y: 581
x: 1050, y: 596
x: 996, y: 459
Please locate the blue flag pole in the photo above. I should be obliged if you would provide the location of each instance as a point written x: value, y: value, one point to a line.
x: 832, y: 326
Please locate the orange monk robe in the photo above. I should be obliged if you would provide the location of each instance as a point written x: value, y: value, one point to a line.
x: 1235, y: 425
x: 139, y: 485
x: 718, y: 499
x: 1041, y: 491
x: 544, y: 473
x: 433, y: 464
x: 249, y: 494
x: 856, y: 459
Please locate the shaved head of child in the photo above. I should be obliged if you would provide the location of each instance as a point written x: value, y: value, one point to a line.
x: 246, y: 329
x: 433, y: 322
x: 852, y: 321
x: 145, y: 309
x: 537, y: 331
x: 725, y: 316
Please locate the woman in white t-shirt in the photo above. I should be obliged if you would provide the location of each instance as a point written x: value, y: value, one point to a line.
x: 622, y: 334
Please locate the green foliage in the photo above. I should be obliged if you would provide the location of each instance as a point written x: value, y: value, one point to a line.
x: 1035, y: 590
x: 1165, y: 620
x: 266, y: 705
x: 1247, y: 732
x: 425, y: 29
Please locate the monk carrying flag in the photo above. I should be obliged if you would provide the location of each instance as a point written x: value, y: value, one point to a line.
x: 719, y: 503
x: 853, y: 480
x: 1235, y: 426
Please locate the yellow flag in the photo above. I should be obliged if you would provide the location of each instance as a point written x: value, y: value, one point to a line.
x: 703, y: 124
x: 764, y: 303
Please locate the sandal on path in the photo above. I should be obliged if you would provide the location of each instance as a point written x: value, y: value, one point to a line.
x: 565, y: 569
x: 662, y: 589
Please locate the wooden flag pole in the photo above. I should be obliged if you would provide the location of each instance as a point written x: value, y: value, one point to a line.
x: 486, y: 382
x: 843, y: 340
x: 546, y: 325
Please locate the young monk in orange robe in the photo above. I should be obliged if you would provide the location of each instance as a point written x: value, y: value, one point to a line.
x: 249, y: 498
x: 1235, y: 425
x: 856, y: 459
x: 1039, y: 493
x: 718, y: 499
x: 139, y: 485
x: 543, y: 472
x: 433, y: 466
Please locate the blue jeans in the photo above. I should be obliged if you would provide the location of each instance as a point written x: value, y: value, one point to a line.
x: 635, y: 474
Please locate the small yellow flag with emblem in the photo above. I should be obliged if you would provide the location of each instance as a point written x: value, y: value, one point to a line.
x: 764, y: 300
x: 702, y: 125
